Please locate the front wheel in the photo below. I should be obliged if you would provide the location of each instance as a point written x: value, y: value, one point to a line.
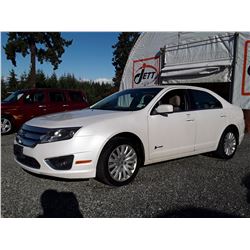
x: 6, y: 125
x: 227, y: 145
x: 119, y: 162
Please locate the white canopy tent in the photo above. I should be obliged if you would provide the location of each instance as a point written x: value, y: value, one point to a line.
x: 192, y: 58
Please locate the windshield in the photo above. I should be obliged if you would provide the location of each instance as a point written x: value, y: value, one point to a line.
x: 128, y: 100
x: 14, y: 96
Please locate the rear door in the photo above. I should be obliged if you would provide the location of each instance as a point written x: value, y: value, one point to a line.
x: 210, y: 119
x: 34, y: 104
x: 57, y: 101
x: 76, y: 100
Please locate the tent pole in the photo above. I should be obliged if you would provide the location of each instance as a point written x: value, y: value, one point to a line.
x: 231, y: 88
x: 162, y: 58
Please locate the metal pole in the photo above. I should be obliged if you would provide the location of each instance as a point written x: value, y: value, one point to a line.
x: 231, y: 88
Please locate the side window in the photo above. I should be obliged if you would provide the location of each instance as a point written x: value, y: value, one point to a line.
x: 203, y: 100
x: 75, y: 96
x: 35, y: 97
x: 177, y: 98
x: 56, y: 97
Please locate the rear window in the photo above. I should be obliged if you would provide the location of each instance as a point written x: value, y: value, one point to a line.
x: 75, y: 96
x: 57, y: 97
x: 203, y: 100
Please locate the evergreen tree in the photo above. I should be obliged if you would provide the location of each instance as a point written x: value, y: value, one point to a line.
x: 45, y: 46
x: 52, y: 81
x: 3, y: 88
x: 94, y: 91
x: 12, y: 81
x: 23, y: 81
x: 40, y: 79
x: 122, y: 48
x: 62, y: 80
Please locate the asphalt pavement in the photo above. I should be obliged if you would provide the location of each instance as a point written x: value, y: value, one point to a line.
x: 197, y: 186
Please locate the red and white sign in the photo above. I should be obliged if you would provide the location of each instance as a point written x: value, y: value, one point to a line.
x: 246, y: 70
x: 145, y: 71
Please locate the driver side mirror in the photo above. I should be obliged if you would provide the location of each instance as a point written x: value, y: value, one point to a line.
x: 164, y: 109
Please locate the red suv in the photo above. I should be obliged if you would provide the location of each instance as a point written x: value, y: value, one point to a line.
x: 23, y: 105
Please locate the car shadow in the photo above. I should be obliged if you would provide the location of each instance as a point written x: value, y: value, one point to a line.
x: 59, y: 205
x: 246, y: 183
x: 195, y: 212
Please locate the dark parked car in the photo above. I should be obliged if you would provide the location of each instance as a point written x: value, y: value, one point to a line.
x: 23, y: 105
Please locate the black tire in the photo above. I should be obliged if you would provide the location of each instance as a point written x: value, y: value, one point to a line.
x: 221, y: 151
x: 4, y: 129
x: 102, y: 172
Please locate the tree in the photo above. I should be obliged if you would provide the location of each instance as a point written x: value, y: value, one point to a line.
x: 52, y: 80
x: 45, y: 46
x: 40, y: 79
x: 12, y: 81
x: 3, y: 88
x: 122, y: 48
x: 68, y: 81
x: 23, y: 81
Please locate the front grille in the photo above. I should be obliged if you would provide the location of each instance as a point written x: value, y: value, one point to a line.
x: 29, y: 136
x: 28, y: 161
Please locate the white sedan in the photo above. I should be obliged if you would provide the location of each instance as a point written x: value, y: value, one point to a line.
x: 113, y: 138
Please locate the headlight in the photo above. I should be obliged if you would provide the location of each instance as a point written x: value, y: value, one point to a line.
x: 59, y: 134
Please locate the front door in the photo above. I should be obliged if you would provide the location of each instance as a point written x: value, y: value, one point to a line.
x: 174, y: 134
x: 34, y: 104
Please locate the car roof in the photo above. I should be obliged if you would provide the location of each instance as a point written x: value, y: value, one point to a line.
x: 171, y: 86
x: 49, y: 89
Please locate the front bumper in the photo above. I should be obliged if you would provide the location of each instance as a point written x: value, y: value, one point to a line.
x: 82, y: 148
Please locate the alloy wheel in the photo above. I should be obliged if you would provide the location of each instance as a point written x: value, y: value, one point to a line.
x: 5, y: 125
x: 122, y: 163
x: 229, y: 143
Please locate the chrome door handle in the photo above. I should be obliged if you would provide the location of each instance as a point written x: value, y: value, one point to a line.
x: 223, y: 115
x: 42, y: 106
x: 65, y: 105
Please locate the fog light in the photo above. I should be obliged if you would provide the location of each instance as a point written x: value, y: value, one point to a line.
x: 60, y: 163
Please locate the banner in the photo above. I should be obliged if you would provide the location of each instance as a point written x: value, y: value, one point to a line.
x: 145, y: 72
x: 241, y: 90
x: 245, y: 90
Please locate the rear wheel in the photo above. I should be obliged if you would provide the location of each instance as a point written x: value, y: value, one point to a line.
x: 227, y: 145
x: 119, y: 162
x: 6, y: 125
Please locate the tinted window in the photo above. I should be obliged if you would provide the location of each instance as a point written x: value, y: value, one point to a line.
x: 35, y: 97
x: 203, y: 100
x: 177, y: 98
x: 75, y: 96
x: 56, y: 97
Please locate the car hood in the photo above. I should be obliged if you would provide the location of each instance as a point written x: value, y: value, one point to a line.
x: 7, y: 104
x: 75, y: 118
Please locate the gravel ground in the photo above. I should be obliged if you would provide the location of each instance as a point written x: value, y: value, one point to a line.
x: 198, y: 186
